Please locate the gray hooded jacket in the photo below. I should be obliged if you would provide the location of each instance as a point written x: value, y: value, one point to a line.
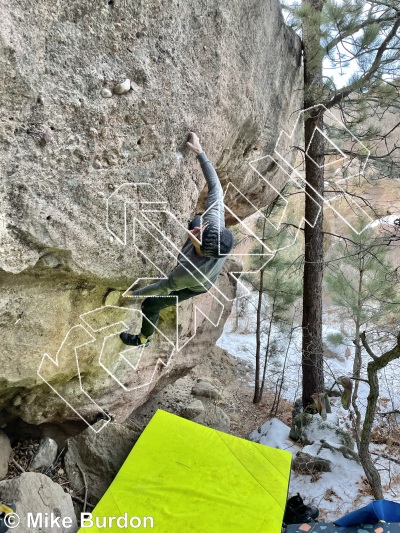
x: 194, y: 272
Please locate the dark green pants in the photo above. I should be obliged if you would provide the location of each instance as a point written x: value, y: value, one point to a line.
x: 152, y: 306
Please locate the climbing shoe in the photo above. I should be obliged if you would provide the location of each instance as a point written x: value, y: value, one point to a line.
x: 132, y: 340
x: 6, y: 516
x: 298, y: 513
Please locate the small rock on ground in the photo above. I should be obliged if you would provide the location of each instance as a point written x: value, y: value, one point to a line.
x: 205, y: 389
x: 193, y: 409
x: 304, y: 463
x: 214, y: 417
x: 46, y: 454
x: 5, y: 451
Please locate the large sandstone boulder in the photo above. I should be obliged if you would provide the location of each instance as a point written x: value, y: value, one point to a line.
x: 74, y: 151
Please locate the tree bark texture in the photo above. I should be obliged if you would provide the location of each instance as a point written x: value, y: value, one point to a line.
x: 312, y: 349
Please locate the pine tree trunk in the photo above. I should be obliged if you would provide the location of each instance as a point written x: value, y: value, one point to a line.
x: 357, y: 364
x: 312, y: 351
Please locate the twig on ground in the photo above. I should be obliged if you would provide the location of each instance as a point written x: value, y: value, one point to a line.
x: 394, y: 412
x: 14, y: 462
x: 86, y: 487
x: 388, y: 457
x: 79, y: 500
x: 58, y: 456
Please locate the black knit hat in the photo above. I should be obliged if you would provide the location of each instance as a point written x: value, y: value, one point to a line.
x: 216, y: 243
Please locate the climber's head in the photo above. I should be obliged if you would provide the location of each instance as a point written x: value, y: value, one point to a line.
x: 210, y: 242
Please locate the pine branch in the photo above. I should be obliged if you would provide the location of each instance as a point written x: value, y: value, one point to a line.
x: 377, y: 62
x: 362, y: 157
x: 354, y: 29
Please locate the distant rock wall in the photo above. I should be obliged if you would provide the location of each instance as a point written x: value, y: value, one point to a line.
x: 229, y: 71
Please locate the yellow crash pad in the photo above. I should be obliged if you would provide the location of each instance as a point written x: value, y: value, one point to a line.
x: 184, y: 477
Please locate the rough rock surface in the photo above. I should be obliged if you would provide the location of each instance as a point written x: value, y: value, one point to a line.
x: 214, y: 417
x: 36, y: 493
x: 122, y: 392
x: 5, y: 451
x: 216, y: 366
x: 205, y: 410
x: 193, y: 409
x: 99, y: 455
x: 229, y: 71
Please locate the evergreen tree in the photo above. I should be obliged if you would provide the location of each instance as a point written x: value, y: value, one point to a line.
x: 360, y: 282
x: 351, y: 33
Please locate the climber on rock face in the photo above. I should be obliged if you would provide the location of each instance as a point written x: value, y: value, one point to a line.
x: 199, y: 262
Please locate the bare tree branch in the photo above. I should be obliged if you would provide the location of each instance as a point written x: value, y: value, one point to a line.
x: 367, y: 347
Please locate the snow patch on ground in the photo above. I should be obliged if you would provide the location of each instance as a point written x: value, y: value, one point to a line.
x: 334, y: 493
x: 275, y: 434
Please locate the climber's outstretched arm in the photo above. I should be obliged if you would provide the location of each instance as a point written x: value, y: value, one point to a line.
x: 215, y: 215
